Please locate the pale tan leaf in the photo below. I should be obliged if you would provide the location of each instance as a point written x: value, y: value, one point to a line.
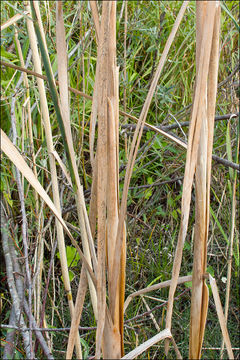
x: 64, y: 104
x: 221, y: 317
x: 82, y: 288
x: 94, y: 9
x: 166, y: 333
x: 62, y: 64
x: 112, y: 207
x: 122, y: 277
x: 167, y: 135
x: 93, y: 200
x: 204, y: 312
x: 13, y: 20
x: 93, y: 118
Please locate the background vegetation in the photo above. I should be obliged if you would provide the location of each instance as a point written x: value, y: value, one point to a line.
x: 154, y: 202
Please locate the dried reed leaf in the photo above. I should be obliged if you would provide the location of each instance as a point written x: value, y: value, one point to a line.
x: 62, y: 66
x: 64, y: 117
x: 178, y: 354
x: 122, y: 277
x: 94, y: 9
x: 211, y: 95
x: 166, y: 333
x: 112, y: 200
x: 199, y: 300
x: 198, y: 291
x: 93, y: 200
x: 167, y: 135
x: 116, y: 300
x: 82, y: 288
x: 29, y: 130
x: 13, y: 20
x: 221, y: 317
x: 93, y: 118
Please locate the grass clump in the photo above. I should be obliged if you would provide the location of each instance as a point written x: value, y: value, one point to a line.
x: 153, y: 204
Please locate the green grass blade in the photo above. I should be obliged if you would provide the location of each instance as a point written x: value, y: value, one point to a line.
x: 219, y: 225
x: 54, y: 95
x: 225, y: 8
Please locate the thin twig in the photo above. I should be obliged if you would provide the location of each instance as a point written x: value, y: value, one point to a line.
x: 37, y: 333
x: 228, y: 78
x: 16, y: 300
x: 82, y: 328
x: 23, y: 210
x: 183, y: 124
x: 10, y: 337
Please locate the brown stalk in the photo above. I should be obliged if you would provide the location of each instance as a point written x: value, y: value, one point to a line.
x: 112, y: 342
x: 113, y: 196
x: 102, y: 173
x: 93, y: 120
x: 199, y: 302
